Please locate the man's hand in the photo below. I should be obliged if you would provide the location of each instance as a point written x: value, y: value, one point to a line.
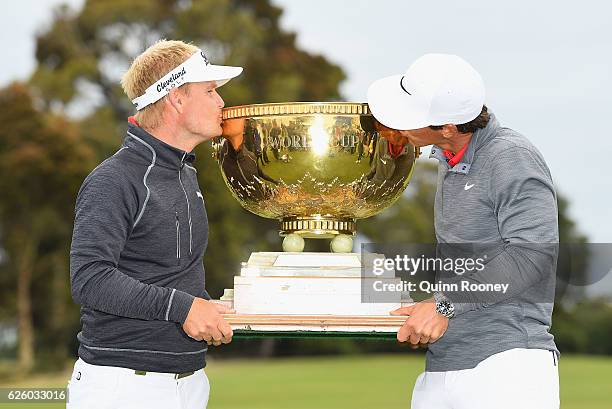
x: 205, y: 323
x: 423, y: 326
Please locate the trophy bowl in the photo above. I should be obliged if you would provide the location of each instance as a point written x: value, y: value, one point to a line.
x: 316, y: 167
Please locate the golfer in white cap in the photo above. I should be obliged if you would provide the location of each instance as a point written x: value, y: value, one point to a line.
x: 140, y: 234
x: 490, y: 350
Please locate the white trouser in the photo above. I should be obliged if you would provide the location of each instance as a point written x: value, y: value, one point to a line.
x: 109, y: 387
x: 514, y: 379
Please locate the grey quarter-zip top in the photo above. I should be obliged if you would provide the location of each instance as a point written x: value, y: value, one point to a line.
x: 140, y: 234
x: 499, y: 201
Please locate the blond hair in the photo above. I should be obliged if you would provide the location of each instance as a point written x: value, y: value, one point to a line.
x: 155, y: 62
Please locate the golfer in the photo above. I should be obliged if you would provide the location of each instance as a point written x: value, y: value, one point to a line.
x: 140, y: 233
x: 484, y: 350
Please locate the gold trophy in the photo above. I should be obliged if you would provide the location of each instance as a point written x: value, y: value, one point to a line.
x: 317, y: 168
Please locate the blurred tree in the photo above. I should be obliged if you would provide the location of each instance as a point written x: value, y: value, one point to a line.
x: 573, y: 260
x: 82, y: 56
x: 410, y: 220
x: 585, y: 327
x: 42, y: 163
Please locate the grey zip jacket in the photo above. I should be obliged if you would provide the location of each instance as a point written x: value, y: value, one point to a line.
x: 499, y: 201
x: 140, y: 233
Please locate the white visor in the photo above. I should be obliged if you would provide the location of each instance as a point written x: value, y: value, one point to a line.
x: 195, y: 69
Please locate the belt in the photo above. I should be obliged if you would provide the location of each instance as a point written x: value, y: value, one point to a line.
x: 176, y: 375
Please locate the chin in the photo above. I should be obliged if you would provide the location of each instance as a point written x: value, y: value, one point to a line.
x: 209, y: 134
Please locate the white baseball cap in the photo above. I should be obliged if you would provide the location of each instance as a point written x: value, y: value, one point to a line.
x: 197, y: 68
x: 437, y: 89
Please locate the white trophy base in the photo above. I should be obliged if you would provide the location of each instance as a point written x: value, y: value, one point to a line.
x: 319, y: 292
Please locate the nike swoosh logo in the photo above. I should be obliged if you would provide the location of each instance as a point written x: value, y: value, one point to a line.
x: 468, y: 187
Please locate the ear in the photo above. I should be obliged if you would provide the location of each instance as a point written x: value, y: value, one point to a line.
x: 449, y: 131
x: 176, y: 99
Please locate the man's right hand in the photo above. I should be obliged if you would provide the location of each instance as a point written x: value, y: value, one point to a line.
x: 205, y: 323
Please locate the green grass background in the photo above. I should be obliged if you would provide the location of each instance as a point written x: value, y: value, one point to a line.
x: 375, y: 381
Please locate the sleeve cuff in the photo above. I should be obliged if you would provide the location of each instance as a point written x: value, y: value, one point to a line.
x: 460, y: 307
x: 179, y: 306
x: 206, y: 296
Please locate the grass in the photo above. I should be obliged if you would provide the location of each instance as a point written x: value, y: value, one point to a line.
x: 375, y: 381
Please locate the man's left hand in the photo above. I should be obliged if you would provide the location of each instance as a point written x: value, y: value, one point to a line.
x: 423, y: 326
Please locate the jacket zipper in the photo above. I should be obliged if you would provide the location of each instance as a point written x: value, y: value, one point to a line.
x: 178, y: 239
x: 187, y: 199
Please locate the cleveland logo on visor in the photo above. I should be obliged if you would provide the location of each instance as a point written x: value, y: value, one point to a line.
x: 175, y: 78
x: 171, y: 81
x: 196, y: 68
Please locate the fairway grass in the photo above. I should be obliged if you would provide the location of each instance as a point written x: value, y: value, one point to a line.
x: 374, y: 381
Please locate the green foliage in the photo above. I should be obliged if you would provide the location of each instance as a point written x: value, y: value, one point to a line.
x: 42, y: 164
x: 568, y: 230
x: 410, y: 219
x: 585, y: 327
x: 96, y: 45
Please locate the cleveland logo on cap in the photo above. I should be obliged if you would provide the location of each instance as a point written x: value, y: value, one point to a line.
x: 170, y: 81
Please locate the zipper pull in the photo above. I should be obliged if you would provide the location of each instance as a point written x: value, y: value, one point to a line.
x: 178, y: 238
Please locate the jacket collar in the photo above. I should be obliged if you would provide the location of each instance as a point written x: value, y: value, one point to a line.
x: 479, y: 139
x: 149, y: 147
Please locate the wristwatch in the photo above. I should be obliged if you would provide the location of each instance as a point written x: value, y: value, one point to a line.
x: 444, y: 306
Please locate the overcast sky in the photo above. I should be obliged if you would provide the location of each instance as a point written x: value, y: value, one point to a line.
x: 547, y: 66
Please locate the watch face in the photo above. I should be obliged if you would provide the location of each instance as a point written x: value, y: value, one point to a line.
x: 445, y: 308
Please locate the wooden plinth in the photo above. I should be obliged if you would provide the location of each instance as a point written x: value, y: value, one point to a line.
x: 320, y: 325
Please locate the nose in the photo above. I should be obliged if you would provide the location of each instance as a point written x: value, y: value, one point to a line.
x: 220, y: 102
